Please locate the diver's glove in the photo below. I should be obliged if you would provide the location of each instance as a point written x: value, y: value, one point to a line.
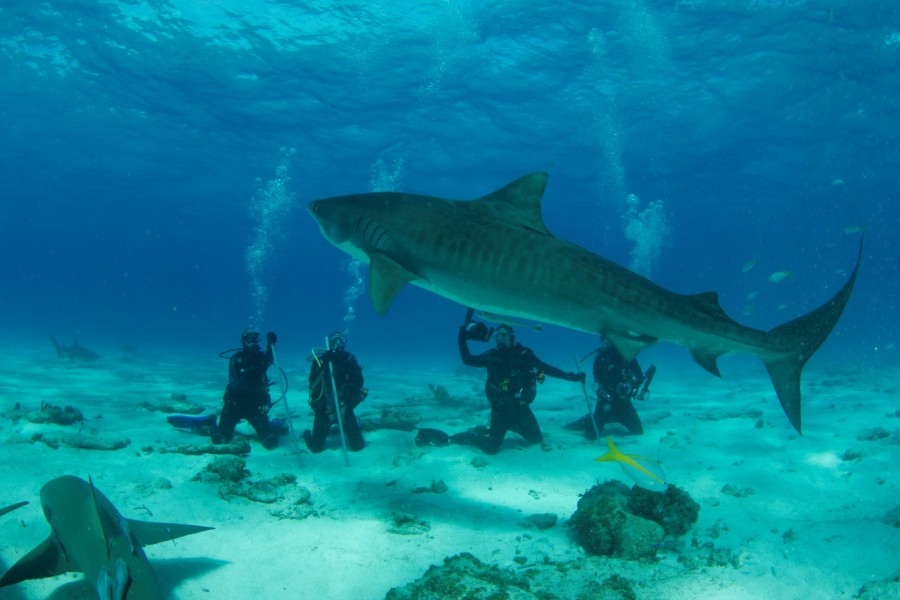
x: 271, y: 338
x: 579, y: 377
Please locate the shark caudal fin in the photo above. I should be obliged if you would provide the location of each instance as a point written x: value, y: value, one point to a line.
x: 806, y: 333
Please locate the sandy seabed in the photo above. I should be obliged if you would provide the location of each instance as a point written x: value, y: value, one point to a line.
x: 807, y: 517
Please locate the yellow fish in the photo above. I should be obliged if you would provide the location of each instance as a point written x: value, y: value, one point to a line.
x: 645, y: 472
x: 749, y: 264
x: 779, y: 276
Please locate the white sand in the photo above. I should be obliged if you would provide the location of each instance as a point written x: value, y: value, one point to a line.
x: 832, y: 507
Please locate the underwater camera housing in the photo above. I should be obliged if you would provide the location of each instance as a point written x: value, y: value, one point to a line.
x: 479, y: 332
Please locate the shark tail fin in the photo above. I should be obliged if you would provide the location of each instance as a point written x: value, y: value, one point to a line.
x: 806, y: 333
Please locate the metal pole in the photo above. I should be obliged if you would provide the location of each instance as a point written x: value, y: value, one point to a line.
x: 287, y: 412
x: 587, y: 401
x: 337, y: 407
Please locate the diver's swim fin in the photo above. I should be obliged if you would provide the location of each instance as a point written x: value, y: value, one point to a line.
x: 431, y: 437
x: 197, y: 422
x: 192, y: 422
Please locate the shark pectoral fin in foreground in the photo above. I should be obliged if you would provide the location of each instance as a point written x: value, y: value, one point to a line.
x: 495, y: 254
x: 89, y: 535
x: 11, y: 507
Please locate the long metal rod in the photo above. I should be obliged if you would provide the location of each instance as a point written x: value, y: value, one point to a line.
x: 287, y: 413
x: 337, y: 407
x: 587, y: 400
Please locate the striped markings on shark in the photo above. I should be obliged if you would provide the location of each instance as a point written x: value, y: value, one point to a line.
x: 495, y: 254
x: 89, y: 535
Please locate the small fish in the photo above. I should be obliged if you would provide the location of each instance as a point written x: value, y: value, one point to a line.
x: 855, y: 229
x: 752, y: 295
x: 645, y: 472
x: 781, y: 307
x: 749, y: 310
x: 779, y: 276
x: 749, y: 264
x: 837, y: 182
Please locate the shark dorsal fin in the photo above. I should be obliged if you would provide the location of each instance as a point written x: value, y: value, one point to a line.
x: 386, y: 279
x: 520, y: 201
x: 106, y: 520
x: 709, y: 303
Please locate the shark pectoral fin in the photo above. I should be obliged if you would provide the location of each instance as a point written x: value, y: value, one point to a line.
x: 45, y: 560
x: 629, y: 345
x: 152, y: 533
x: 707, y: 360
x: 386, y: 279
x: 785, y: 376
x: 12, y: 507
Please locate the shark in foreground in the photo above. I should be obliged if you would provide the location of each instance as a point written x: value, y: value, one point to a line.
x: 89, y: 535
x: 495, y: 254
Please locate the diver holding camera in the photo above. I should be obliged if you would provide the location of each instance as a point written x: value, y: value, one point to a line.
x: 513, y: 372
x: 476, y: 331
x: 617, y: 384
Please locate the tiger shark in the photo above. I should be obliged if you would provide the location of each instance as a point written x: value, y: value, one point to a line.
x: 89, y: 535
x: 496, y: 255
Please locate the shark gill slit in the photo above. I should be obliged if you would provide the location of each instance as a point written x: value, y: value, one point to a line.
x: 364, y: 234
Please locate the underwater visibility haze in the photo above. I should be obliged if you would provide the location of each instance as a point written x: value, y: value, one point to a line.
x: 158, y: 156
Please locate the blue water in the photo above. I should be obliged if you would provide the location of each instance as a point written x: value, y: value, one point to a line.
x: 147, y: 147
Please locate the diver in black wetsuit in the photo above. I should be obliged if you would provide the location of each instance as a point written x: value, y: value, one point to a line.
x: 513, y: 372
x: 617, y: 384
x: 348, y: 380
x: 247, y: 394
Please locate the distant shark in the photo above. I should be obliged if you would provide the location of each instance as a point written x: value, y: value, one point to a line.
x: 74, y: 352
x: 89, y: 535
x: 495, y: 254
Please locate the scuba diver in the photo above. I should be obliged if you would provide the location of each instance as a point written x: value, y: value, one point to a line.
x: 513, y: 372
x: 335, y: 369
x: 247, y: 393
x: 617, y: 384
